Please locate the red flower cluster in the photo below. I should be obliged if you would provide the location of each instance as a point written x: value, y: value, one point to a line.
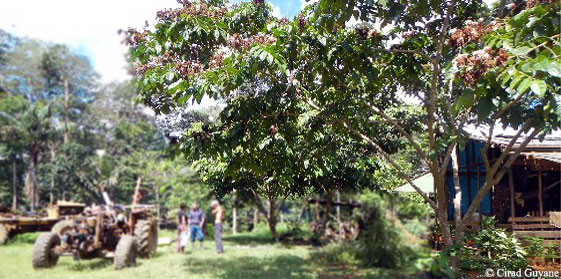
x: 471, y: 33
x: 284, y: 21
x: 192, y: 10
x: 410, y: 34
x: 302, y: 22
x: 533, y: 3
x: 141, y: 69
x: 216, y: 60
x: 238, y: 43
x: 133, y: 37
x: 473, y: 67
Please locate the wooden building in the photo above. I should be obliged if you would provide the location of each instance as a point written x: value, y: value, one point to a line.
x: 528, y: 198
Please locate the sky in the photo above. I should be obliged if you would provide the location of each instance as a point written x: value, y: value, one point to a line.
x: 90, y: 27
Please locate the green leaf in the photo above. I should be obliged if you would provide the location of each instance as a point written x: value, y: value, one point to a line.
x: 539, y: 87
x: 520, y: 50
x: 517, y: 78
x: 542, y: 64
x: 527, y: 67
x: 554, y: 69
x: 524, y: 85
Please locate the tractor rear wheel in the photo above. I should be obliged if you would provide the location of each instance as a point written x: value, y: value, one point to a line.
x: 125, y: 254
x: 4, y: 236
x: 146, y: 232
x: 61, y: 227
x: 44, y: 255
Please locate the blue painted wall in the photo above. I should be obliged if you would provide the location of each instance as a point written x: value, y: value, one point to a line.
x: 469, y: 156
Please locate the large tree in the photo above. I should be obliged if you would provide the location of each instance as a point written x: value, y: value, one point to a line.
x: 26, y: 128
x: 464, y: 63
x: 264, y: 144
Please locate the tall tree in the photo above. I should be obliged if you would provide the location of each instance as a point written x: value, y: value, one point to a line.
x: 464, y: 65
x: 28, y: 126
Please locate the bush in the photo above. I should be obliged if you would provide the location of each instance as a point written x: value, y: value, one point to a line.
x: 492, y: 248
x: 437, y: 264
x: 341, y: 252
x: 534, y: 247
x: 25, y: 238
x: 381, y: 245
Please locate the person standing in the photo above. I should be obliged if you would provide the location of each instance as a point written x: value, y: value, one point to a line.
x: 218, y: 212
x: 181, y: 227
x: 196, y: 220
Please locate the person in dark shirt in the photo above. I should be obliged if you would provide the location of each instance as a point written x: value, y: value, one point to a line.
x: 196, y: 220
x: 181, y: 226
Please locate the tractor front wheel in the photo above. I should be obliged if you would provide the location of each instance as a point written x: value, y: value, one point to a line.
x: 146, y: 232
x: 44, y: 255
x: 125, y: 254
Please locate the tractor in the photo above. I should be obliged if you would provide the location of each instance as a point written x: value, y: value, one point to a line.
x: 102, y: 231
x: 14, y: 224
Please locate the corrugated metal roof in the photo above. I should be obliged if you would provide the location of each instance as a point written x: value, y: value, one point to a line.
x: 503, y: 136
x: 550, y: 156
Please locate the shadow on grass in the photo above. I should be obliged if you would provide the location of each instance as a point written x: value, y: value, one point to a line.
x: 249, y: 239
x: 86, y: 265
x: 285, y: 267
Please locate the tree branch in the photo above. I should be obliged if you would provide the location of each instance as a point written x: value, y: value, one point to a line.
x: 405, y: 51
x: 408, y: 136
x: 391, y: 161
x: 525, y: 127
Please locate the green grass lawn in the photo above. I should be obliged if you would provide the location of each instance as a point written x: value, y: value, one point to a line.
x: 246, y: 257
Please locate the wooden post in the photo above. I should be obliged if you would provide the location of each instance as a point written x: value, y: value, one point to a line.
x: 511, y: 185
x: 135, y: 201
x: 540, y: 192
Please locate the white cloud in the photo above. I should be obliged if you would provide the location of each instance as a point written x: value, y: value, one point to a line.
x: 304, y: 3
x: 276, y: 11
x: 88, y: 26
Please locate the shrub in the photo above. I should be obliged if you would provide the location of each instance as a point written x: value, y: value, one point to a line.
x: 340, y: 252
x: 25, y: 238
x: 437, y: 264
x: 534, y: 247
x: 381, y: 245
x: 492, y: 247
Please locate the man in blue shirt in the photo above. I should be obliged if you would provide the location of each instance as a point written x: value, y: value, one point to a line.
x: 196, y: 221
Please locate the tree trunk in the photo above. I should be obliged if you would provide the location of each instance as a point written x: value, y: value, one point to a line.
x: 316, y: 209
x: 323, y: 227
x: 301, y: 214
x: 30, y: 183
x: 442, y: 209
x: 66, y: 106
x: 459, y: 230
x: 234, y: 213
x: 338, y: 193
x: 157, y: 192
x: 52, y: 190
x: 272, y: 217
x: 457, y: 196
x: 255, y: 217
x: 14, y: 185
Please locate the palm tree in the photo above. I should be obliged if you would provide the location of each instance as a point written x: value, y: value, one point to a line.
x: 26, y: 128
